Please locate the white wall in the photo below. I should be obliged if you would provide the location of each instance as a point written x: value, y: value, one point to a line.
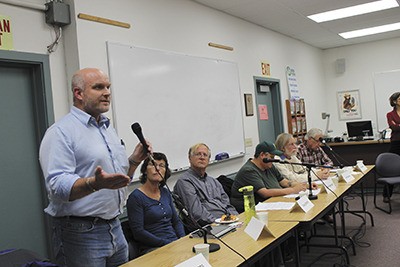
x: 187, y: 27
x: 362, y: 61
x: 31, y: 34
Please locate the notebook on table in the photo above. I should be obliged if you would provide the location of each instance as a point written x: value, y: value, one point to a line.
x: 218, y: 230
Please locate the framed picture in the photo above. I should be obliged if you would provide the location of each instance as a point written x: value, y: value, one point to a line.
x: 248, y: 102
x: 349, y: 105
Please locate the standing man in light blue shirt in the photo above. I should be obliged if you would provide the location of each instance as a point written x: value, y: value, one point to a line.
x: 86, y: 171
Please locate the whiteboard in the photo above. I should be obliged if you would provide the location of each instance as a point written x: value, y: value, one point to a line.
x: 179, y: 100
x: 385, y: 84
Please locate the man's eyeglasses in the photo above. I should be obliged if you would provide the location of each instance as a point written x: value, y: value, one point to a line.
x: 161, y: 165
x: 318, y: 141
x: 201, y: 154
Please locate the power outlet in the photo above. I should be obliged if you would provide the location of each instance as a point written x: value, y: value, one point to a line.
x: 248, y: 142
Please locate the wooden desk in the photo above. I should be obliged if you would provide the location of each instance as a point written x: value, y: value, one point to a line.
x: 181, y: 250
x: 350, y: 152
x: 323, y: 204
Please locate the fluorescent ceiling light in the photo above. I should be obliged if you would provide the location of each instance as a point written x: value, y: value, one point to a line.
x: 372, y: 30
x: 354, y: 10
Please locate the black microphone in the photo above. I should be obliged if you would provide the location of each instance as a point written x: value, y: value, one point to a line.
x: 333, y: 153
x: 323, y: 141
x: 267, y: 160
x: 137, y: 129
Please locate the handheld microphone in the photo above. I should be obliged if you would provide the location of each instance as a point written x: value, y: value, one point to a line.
x: 266, y: 160
x: 137, y: 129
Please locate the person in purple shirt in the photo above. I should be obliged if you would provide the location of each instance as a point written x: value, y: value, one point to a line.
x: 152, y: 217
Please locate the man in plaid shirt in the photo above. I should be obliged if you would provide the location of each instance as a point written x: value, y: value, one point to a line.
x: 311, y: 152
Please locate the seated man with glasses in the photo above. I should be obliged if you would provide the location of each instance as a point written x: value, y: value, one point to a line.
x: 264, y: 177
x: 311, y: 152
x: 202, y: 195
x: 152, y: 217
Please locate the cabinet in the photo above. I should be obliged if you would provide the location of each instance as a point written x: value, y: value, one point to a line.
x: 296, y: 118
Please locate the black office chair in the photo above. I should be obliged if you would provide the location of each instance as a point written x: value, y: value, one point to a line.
x: 133, y: 246
x: 387, y: 172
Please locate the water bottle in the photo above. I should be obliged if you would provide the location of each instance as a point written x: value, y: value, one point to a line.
x: 249, y: 204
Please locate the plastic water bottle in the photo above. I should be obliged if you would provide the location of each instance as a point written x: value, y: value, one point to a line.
x: 249, y: 203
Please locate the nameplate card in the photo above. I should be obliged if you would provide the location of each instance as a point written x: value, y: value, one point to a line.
x: 255, y: 227
x: 196, y: 261
x: 346, y: 176
x: 304, y: 203
x: 328, y: 186
x: 361, y: 167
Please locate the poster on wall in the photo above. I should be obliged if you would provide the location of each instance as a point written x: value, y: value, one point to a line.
x: 294, y: 92
x: 349, y: 105
x: 6, y: 33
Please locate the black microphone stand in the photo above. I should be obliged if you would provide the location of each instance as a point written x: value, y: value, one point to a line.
x: 336, y: 155
x: 182, y: 210
x: 311, y: 196
x: 137, y: 129
x: 203, y: 230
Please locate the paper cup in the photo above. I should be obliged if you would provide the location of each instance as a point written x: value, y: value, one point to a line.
x: 203, y: 249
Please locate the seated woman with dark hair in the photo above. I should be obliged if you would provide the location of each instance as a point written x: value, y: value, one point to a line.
x: 152, y: 216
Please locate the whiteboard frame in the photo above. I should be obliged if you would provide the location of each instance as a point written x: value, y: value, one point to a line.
x: 214, y: 121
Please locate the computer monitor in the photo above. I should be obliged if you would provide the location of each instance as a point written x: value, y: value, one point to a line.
x: 359, y: 129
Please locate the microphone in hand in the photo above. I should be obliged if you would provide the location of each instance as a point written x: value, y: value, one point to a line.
x: 137, y: 129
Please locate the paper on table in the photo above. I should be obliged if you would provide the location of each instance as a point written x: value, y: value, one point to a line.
x: 275, y: 206
x: 302, y: 193
x: 197, y: 260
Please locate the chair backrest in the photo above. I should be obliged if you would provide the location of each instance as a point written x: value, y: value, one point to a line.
x: 388, y: 165
x: 132, y: 244
x: 226, y: 184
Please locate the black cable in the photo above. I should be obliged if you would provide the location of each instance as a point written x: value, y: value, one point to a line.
x: 181, y: 207
x: 334, y: 154
x: 324, y: 183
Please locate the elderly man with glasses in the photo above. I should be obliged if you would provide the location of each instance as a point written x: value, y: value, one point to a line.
x: 311, y: 152
x: 202, y: 195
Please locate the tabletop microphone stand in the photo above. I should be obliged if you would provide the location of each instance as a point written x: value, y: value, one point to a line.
x: 311, y: 196
x: 334, y: 154
x: 193, y: 223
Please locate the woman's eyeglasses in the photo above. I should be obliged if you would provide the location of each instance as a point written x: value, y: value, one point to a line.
x: 158, y: 166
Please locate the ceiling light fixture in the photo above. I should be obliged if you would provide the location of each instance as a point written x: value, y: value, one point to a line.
x: 370, y: 31
x: 353, y: 10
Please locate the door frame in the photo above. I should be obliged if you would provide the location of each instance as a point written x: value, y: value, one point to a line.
x: 39, y: 67
x: 274, y: 85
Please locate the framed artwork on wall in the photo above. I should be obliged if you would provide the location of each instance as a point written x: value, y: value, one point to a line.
x: 248, y: 102
x: 349, y: 105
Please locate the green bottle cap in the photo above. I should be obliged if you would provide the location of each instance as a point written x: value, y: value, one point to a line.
x: 246, y: 188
